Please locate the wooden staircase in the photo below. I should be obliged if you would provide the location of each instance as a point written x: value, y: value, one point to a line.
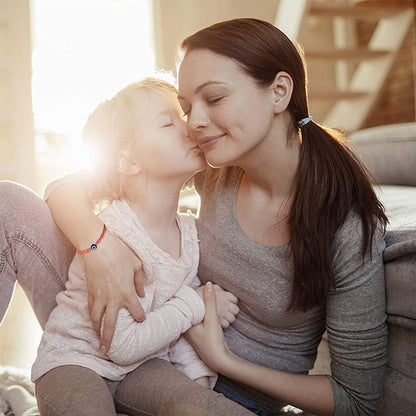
x: 349, y: 48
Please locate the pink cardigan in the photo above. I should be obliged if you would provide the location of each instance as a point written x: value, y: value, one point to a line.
x: 170, y: 304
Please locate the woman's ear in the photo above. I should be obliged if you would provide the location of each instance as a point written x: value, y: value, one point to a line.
x: 282, y: 91
x: 126, y: 165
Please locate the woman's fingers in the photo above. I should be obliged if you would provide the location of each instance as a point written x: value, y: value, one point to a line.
x: 114, y: 277
x: 109, y: 324
x: 139, y: 280
x: 96, y: 310
x: 210, y: 301
x: 133, y: 305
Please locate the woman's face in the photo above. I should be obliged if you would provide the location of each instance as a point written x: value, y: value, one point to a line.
x: 229, y: 115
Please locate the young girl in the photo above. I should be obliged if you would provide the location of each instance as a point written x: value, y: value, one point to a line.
x: 142, y: 157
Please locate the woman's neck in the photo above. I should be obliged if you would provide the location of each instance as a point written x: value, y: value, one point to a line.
x: 272, y: 167
x: 267, y: 187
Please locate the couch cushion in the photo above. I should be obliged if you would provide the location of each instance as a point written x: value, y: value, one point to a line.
x: 398, y: 395
x: 400, y: 252
x: 388, y: 152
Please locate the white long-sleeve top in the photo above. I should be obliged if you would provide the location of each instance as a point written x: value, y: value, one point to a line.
x: 170, y: 304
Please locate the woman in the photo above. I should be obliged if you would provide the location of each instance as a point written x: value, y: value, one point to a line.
x: 289, y: 223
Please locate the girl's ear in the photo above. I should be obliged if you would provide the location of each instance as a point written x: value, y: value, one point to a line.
x: 282, y: 91
x: 126, y: 165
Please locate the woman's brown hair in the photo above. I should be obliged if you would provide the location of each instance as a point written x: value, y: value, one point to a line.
x: 330, y: 180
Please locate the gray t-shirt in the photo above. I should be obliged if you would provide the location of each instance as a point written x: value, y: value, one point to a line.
x: 265, y: 332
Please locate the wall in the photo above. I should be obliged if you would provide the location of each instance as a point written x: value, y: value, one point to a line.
x: 175, y: 19
x: 17, y: 157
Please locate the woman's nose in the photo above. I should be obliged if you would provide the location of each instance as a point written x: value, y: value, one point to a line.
x: 197, y: 119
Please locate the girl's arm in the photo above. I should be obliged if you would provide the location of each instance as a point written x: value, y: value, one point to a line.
x: 135, y: 342
x: 310, y: 393
x: 114, y: 273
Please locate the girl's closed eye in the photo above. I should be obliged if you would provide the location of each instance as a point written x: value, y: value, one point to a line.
x: 166, y: 122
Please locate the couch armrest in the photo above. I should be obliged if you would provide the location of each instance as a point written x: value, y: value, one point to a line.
x: 388, y: 152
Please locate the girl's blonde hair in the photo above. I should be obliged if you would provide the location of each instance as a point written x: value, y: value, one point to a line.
x: 112, y: 128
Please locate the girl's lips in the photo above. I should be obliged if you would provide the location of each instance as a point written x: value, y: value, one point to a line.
x: 209, y: 141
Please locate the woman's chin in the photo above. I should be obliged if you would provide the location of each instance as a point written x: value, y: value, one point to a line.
x: 218, y: 160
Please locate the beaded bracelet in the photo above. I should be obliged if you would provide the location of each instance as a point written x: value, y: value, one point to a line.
x: 94, y: 245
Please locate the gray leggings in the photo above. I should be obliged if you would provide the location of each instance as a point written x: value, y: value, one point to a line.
x: 155, y: 388
x: 36, y: 254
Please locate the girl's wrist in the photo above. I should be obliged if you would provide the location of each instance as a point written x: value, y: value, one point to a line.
x: 90, y: 233
x: 95, y: 244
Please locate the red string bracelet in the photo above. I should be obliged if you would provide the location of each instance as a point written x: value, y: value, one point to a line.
x: 94, y: 245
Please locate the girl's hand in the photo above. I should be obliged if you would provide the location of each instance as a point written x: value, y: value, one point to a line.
x: 226, y: 304
x: 114, y: 279
x: 207, y: 337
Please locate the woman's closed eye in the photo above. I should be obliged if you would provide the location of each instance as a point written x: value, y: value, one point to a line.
x: 215, y: 100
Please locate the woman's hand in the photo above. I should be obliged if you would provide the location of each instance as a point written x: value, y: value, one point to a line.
x: 114, y: 276
x: 296, y: 389
x: 208, y: 338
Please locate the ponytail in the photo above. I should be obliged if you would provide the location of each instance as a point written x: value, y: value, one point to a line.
x: 330, y: 182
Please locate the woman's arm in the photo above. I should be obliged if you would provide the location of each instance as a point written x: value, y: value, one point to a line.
x: 114, y: 273
x: 310, y: 393
x: 356, y: 321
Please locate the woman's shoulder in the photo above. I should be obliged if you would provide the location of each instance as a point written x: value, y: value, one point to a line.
x: 349, y: 241
x: 352, y: 231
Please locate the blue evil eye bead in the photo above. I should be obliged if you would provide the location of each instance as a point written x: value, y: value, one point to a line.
x: 93, y: 246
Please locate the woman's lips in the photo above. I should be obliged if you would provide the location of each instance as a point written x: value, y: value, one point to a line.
x: 209, y: 141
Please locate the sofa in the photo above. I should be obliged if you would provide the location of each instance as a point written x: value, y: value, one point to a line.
x: 389, y: 153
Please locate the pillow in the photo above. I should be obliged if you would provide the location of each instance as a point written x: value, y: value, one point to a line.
x: 388, y: 152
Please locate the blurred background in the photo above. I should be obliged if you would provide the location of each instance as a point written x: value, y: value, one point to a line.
x: 60, y: 58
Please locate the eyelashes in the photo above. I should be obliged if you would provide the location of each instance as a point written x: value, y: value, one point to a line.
x: 209, y: 101
x: 215, y: 100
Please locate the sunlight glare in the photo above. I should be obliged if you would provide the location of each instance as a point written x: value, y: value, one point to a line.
x: 84, y: 51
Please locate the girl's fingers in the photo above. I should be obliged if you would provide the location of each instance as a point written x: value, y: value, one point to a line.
x: 234, y: 309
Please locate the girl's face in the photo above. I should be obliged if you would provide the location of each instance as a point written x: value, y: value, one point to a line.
x: 229, y: 115
x: 164, y: 149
